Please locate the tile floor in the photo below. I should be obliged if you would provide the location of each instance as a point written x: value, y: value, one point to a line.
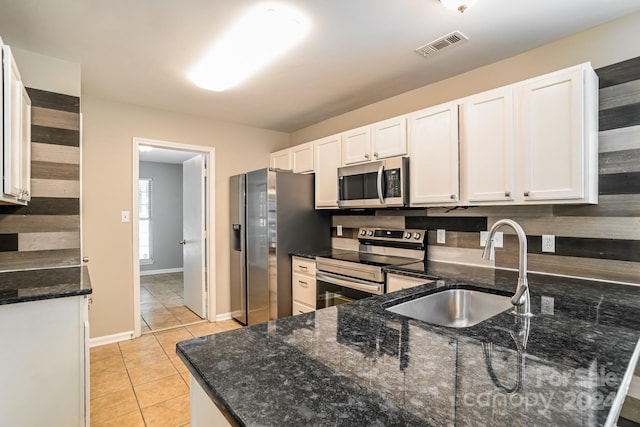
x: 142, y: 382
x: 161, y: 302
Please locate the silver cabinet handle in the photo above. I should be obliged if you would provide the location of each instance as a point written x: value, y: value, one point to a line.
x: 366, y: 156
x: 303, y: 267
x: 453, y: 197
x: 526, y: 194
x: 375, y: 155
x: 182, y: 242
x: 303, y: 284
x: 507, y: 194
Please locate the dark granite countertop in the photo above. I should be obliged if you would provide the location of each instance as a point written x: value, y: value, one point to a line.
x: 47, y: 283
x: 312, y: 254
x: 358, y: 364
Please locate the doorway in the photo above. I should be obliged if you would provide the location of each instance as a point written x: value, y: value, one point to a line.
x: 172, y: 218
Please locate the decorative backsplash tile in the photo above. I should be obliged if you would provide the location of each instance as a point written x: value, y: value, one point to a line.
x: 46, y: 233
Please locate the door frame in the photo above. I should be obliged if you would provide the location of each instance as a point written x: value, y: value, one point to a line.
x: 210, y: 248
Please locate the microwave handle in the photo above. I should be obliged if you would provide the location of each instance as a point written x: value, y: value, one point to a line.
x: 380, y: 174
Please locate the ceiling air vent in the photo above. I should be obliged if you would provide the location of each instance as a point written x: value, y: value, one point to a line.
x: 443, y: 42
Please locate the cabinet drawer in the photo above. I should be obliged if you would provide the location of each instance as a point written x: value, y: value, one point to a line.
x: 304, y: 289
x: 301, y: 308
x: 397, y: 282
x: 304, y: 266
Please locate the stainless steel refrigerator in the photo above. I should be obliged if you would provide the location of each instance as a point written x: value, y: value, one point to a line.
x: 272, y: 214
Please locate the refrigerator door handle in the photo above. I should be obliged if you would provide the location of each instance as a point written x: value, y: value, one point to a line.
x: 237, y: 237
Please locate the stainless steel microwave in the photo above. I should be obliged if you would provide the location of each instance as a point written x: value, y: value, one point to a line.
x: 384, y: 183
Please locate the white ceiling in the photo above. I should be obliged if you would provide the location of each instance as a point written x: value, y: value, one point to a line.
x: 165, y: 155
x: 358, y: 51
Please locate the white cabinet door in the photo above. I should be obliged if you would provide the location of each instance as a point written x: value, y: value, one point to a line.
x: 281, y: 159
x: 302, y: 158
x: 433, y: 144
x: 390, y: 138
x: 25, y: 149
x: 356, y: 145
x: 327, y: 162
x: 557, y: 134
x: 12, y: 124
x: 487, y: 152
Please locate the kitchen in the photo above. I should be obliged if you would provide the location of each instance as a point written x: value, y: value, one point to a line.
x: 109, y: 125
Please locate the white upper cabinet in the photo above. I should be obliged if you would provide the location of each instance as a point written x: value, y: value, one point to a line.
x: 557, y: 130
x: 302, y: 158
x: 356, y: 146
x: 389, y: 138
x: 327, y: 161
x: 15, y: 167
x: 487, y: 149
x: 281, y: 159
x: 433, y: 164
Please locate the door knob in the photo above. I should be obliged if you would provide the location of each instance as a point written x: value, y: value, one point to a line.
x: 182, y: 242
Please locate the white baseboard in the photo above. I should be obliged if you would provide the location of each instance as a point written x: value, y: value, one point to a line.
x: 163, y: 271
x: 110, y: 339
x: 223, y: 316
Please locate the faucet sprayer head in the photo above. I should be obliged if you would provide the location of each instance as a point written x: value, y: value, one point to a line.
x: 489, y: 252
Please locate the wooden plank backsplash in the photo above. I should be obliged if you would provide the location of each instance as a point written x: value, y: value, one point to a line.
x: 46, y: 233
x: 593, y: 241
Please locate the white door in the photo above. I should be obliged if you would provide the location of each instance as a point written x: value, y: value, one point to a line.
x: 193, y: 219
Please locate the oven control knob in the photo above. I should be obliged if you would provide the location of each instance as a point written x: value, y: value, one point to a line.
x: 363, y: 232
x: 370, y: 233
x: 417, y: 236
x: 407, y: 235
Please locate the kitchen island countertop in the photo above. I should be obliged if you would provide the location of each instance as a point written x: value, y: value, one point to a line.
x: 42, y: 284
x: 359, y: 364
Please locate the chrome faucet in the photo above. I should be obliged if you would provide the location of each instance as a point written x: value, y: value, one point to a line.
x: 521, y: 300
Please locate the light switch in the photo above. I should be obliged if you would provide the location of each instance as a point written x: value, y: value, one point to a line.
x: 125, y: 216
x: 339, y: 230
x: 441, y: 236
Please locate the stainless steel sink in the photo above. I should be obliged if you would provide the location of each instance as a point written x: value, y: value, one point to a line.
x: 456, y: 308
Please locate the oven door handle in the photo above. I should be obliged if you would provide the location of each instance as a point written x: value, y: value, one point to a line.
x: 352, y: 283
x: 380, y: 195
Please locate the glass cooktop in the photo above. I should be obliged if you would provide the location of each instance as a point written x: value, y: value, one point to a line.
x: 369, y: 258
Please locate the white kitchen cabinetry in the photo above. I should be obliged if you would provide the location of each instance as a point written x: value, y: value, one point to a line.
x: 44, y: 366
x: 387, y: 138
x: 487, y: 149
x: 281, y: 159
x: 557, y: 129
x: 15, y: 167
x: 356, y: 145
x: 302, y: 158
x: 303, y: 285
x: 327, y: 161
x: 433, y: 164
x: 397, y: 282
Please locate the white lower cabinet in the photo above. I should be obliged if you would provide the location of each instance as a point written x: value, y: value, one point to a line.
x: 44, y: 366
x: 397, y: 282
x: 205, y: 413
x: 303, y: 285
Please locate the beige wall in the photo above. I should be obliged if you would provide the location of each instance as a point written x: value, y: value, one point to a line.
x: 107, y: 190
x: 602, y: 45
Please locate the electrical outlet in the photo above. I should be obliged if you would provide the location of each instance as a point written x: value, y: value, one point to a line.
x: 546, y: 304
x: 125, y: 216
x: 339, y: 230
x: 441, y: 236
x: 548, y: 243
x: 498, y: 239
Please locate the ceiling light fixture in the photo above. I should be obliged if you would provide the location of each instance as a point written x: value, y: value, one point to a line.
x: 144, y: 148
x: 459, y: 5
x: 257, y: 38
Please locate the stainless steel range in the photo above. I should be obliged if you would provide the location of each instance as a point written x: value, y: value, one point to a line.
x: 345, y: 276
